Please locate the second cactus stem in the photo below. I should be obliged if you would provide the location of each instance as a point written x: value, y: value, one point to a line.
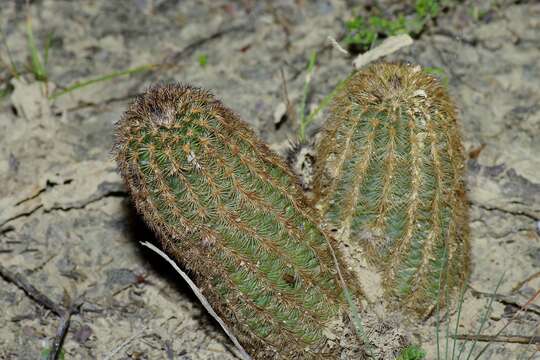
x: 390, y: 180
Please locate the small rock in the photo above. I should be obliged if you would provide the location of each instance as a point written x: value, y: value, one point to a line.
x: 83, y: 334
x: 120, y: 277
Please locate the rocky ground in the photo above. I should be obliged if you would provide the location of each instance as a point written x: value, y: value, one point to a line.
x: 67, y: 226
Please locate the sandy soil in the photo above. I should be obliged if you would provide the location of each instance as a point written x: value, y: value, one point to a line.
x: 66, y: 223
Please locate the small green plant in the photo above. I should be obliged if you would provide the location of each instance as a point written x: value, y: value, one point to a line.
x: 11, y: 67
x: 412, y: 352
x: 427, y: 8
x: 203, y: 60
x: 363, y: 32
x: 45, y: 354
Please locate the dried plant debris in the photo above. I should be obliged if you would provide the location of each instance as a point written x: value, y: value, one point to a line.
x: 301, y: 159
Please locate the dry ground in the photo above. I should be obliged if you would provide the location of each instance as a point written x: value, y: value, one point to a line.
x: 67, y: 226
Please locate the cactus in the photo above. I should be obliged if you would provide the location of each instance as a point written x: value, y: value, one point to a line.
x: 228, y: 209
x: 389, y: 180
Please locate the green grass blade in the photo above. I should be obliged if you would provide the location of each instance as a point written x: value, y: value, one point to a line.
x: 110, y: 76
x: 325, y: 101
x: 461, y: 349
x: 437, y: 328
x: 36, y: 64
x: 437, y: 310
x: 46, y: 49
x: 460, y: 306
x: 485, y: 316
x: 447, y: 316
x: 309, y: 75
x: 357, y: 322
x: 354, y: 313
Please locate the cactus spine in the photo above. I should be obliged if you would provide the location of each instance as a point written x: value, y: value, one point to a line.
x: 229, y: 209
x: 389, y: 178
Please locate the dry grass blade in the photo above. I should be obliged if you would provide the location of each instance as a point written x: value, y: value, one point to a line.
x: 202, y: 299
x: 514, y: 339
x: 387, y: 47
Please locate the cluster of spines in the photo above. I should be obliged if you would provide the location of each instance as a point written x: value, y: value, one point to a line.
x: 389, y: 178
x: 228, y: 208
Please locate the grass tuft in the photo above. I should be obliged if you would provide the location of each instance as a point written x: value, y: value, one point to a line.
x: 38, y: 63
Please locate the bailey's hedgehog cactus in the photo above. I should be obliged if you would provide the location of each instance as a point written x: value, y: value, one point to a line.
x: 390, y: 181
x: 226, y: 207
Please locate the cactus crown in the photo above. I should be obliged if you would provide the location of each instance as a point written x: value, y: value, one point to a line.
x: 389, y: 177
x: 229, y: 209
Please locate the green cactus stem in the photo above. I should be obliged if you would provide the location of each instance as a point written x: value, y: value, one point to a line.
x: 227, y: 208
x: 390, y: 180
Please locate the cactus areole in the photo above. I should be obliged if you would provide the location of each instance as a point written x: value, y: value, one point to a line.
x: 226, y: 207
x: 390, y: 180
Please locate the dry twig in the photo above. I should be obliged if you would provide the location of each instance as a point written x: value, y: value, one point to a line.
x: 290, y: 109
x: 514, y: 339
x: 521, y: 283
x: 42, y: 299
x: 337, y: 46
x: 507, y: 300
x: 62, y: 330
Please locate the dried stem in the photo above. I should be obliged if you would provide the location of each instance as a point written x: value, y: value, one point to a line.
x: 202, y: 299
